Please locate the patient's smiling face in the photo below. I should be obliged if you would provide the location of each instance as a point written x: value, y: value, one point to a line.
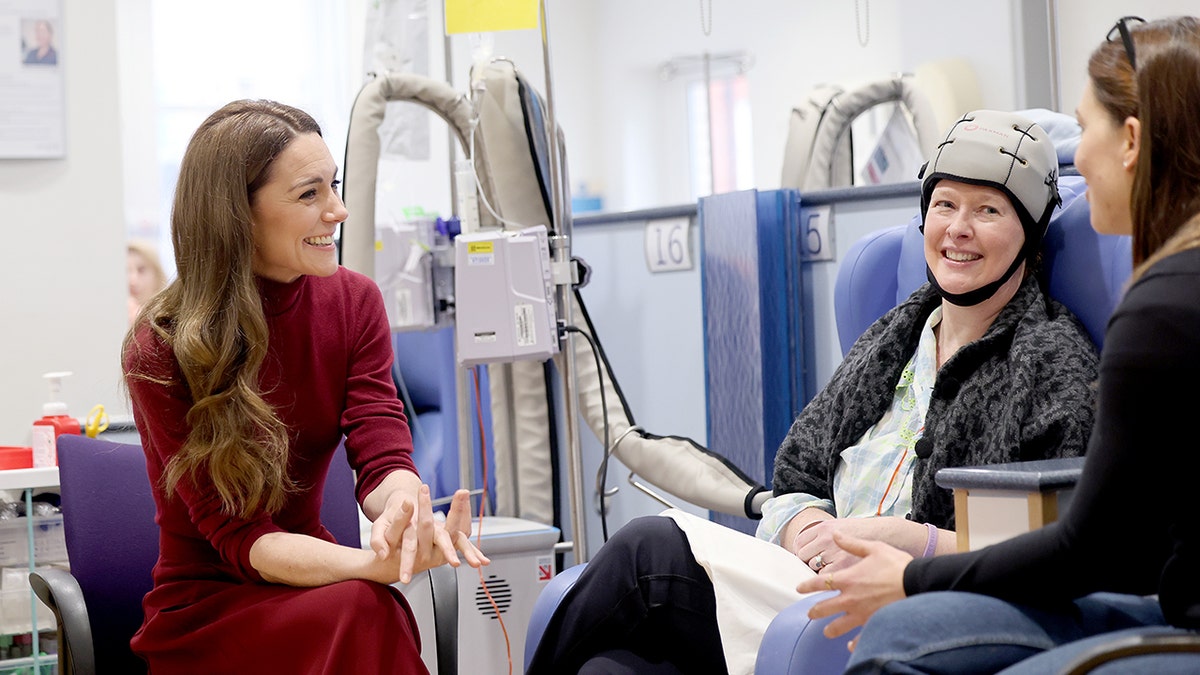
x: 972, y: 235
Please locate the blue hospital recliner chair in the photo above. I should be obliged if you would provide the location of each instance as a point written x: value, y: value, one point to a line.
x: 425, y: 372
x: 425, y: 378
x: 1083, y: 270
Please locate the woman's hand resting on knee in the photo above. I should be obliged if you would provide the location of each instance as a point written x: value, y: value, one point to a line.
x: 405, y: 540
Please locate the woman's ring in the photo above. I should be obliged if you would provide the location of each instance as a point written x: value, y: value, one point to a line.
x: 829, y: 581
x: 817, y: 562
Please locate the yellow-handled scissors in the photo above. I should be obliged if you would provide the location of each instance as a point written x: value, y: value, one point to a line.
x: 97, y: 421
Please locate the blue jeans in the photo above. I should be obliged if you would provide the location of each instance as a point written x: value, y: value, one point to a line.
x: 961, y: 633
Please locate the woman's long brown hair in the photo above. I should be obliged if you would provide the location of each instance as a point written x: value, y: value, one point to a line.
x: 211, y: 315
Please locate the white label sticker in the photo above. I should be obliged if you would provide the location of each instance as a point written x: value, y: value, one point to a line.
x: 44, y: 445
x: 402, y: 307
x: 523, y: 318
x: 481, y: 253
x: 668, y: 245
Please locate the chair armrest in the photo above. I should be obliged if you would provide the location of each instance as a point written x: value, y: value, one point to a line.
x: 796, y: 645
x: 998, y: 501
x: 443, y: 586
x: 61, y: 593
x: 547, y: 601
x: 1043, y: 475
x: 1135, y: 645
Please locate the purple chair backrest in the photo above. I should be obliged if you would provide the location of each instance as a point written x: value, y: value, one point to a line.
x: 339, y: 510
x: 112, y: 539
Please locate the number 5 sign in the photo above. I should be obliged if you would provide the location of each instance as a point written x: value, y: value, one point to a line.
x: 669, y: 245
x: 816, y: 242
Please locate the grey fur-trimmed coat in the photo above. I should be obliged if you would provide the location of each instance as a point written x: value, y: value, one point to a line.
x: 1023, y: 391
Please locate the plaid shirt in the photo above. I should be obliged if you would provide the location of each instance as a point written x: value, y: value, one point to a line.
x: 863, y: 483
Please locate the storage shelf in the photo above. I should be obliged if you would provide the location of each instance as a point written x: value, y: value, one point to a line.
x: 20, y: 479
x: 47, y: 663
x: 27, y: 480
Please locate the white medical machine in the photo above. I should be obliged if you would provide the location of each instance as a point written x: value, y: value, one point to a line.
x: 414, y: 269
x: 505, y: 297
x: 522, y: 561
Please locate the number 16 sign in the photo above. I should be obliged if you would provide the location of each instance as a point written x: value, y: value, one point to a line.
x: 669, y: 245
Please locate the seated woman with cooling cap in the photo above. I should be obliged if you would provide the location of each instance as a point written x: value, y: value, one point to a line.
x: 978, y: 366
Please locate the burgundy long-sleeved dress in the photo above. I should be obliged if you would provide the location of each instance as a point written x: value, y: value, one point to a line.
x: 327, y: 374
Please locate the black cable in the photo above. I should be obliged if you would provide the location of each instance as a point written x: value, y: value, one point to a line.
x: 604, y: 411
x: 410, y: 410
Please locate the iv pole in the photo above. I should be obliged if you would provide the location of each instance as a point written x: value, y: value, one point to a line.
x: 560, y: 245
x: 561, y: 251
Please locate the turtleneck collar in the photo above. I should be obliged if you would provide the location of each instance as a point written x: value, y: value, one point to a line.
x: 277, y: 296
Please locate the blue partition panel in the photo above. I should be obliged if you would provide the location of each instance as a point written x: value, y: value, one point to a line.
x: 754, y: 328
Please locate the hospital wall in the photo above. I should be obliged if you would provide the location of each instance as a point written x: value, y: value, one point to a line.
x: 62, y: 264
x: 62, y: 268
x: 1084, y: 23
x: 625, y: 125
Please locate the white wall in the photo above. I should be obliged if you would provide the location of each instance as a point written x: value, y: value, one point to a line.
x: 144, y: 189
x: 62, y: 270
x: 62, y: 267
x: 1083, y: 24
x: 626, y: 127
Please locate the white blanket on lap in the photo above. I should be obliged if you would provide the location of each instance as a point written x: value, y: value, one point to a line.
x: 754, y: 581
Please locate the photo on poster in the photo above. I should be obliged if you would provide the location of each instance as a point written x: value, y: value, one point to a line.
x: 32, y: 99
x: 38, y: 45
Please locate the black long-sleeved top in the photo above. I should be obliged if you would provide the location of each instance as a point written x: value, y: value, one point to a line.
x: 1133, y: 525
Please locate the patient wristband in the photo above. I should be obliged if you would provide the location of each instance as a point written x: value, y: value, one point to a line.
x: 931, y: 541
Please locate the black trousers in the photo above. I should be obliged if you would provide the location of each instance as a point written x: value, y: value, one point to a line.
x: 643, y: 605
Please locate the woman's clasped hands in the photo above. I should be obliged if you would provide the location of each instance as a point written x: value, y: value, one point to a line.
x: 411, y: 540
x: 817, y: 546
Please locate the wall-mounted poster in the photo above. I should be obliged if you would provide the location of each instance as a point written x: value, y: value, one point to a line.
x: 32, y: 107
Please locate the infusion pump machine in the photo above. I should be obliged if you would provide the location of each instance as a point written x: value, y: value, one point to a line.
x: 414, y: 268
x: 497, y: 286
x: 504, y: 296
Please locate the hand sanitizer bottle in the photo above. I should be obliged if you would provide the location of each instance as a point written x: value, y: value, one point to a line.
x: 54, y: 422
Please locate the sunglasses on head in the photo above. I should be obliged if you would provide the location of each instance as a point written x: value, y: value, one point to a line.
x: 1121, y: 27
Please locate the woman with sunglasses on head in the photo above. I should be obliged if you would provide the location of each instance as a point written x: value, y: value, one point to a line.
x: 1116, y: 563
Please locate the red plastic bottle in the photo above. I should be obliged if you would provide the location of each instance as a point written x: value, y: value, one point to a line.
x: 54, y: 422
